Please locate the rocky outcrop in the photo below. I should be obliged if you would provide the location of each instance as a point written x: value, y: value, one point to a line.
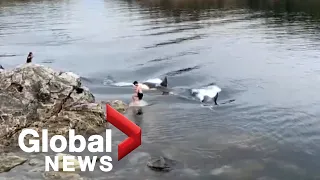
x: 37, y: 97
x: 9, y: 161
x: 118, y: 105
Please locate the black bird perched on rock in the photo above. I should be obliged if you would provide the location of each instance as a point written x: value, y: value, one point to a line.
x: 29, y: 58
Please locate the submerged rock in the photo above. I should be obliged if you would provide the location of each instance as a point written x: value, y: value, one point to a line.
x: 37, y: 97
x: 9, y: 161
x: 36, y: 162
x: 161, y: 164
x: 53, y: 175
x: 75, y: 163
x: 118, y: 105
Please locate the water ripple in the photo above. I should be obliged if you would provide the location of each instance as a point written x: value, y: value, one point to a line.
x: 174, y: 56
x: 177, y: 30
x: 180, y: 71
x: 176, y: 41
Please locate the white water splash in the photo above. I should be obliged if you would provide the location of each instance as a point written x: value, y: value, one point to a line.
x: 140, y: 103
x: 223, y: 169
x: 207, y: 106
x: 72, y: 74
x: 122, y: 84
x: 107, y: 82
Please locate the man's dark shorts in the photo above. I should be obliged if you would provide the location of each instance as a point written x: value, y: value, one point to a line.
x: 140, y: 95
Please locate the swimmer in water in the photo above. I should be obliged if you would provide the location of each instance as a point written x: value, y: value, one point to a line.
x: 138, y: 95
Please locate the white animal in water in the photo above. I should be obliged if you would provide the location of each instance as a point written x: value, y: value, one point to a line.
x: 155, y: 84
x: 207, y: 94
x: 150, y: 84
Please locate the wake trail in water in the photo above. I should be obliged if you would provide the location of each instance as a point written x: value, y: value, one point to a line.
x: 126, y: 84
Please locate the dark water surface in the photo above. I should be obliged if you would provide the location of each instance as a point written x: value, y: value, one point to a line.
x: 263, y: 54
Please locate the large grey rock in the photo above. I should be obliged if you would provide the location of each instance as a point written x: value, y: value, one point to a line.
x: 9, y: 161
x: 34, y: 96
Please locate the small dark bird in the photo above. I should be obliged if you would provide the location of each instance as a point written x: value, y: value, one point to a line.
x: 1, y: 67
x: 29, y: 58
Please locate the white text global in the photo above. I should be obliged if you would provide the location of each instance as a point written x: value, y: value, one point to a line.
x: 96, y: 143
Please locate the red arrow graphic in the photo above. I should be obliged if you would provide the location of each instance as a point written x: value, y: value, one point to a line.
x: 126, y: 126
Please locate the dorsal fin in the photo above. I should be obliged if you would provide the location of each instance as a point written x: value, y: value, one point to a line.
x: 164, y: 83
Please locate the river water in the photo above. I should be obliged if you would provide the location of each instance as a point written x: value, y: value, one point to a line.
x: 263, y: 54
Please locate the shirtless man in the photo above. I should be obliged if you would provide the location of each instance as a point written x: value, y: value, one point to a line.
x: 137, y: 96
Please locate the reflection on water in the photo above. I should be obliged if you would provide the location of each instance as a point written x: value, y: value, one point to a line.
x: 263, y: 53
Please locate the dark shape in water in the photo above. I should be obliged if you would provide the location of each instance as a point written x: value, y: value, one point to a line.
x: 48, y: 61
x: 164, y: 83
x: 140, y: 112
x: 1, y: 67
x: 8, y: 55
x: 162, y: 88
x: 180, y: 71
x: 161, y: 164
x: 229, y: 101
